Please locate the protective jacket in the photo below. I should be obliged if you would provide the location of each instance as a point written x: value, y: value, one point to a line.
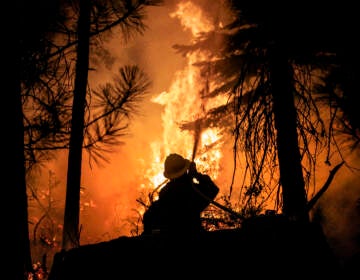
x: 178, y: 208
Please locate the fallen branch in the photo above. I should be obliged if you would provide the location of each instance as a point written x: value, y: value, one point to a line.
x: 316, y: 197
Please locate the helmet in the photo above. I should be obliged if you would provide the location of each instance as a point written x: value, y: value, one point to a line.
x: 175, y: 166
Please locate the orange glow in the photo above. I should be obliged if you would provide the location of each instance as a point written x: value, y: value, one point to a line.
x: 109, y: 193
x: 192, y: 18
x: 182, y: 103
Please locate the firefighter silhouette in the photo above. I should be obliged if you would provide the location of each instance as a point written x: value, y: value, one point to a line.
x: 181, y: 201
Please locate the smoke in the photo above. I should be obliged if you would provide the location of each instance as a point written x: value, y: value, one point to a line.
x: 109, y: 206
x: 115, y: 187
x: 111, y: 190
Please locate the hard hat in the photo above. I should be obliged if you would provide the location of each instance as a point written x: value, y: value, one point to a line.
x: 175, y: 166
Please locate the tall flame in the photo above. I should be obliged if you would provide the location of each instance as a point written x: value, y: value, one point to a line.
x: 183, y: 103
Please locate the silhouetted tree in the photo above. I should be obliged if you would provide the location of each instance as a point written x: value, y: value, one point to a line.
x: 45, y: 76
x: 15, y: 177
x: 128, y: 15
x: 272, y: 61
x: 26, y: 46
x: 71, y: 235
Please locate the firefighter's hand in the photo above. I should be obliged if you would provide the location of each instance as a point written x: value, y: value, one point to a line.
x: 192, y: 169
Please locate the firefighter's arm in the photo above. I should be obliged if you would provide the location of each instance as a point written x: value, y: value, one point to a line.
x: 205, y: 185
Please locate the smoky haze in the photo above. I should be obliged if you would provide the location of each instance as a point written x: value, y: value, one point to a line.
x: 110, y: 190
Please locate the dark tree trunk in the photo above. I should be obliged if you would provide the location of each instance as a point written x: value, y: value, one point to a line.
x: 16, y: 184
x: 71, y: 217
x: 291, y: 177
x: 15, y: 223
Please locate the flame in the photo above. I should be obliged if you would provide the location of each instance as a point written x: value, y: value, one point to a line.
x: 192, y: 18
x: 183, y: 103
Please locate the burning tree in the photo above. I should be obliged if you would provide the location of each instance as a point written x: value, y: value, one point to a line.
x: 277, y: 88
x: 272, y: 110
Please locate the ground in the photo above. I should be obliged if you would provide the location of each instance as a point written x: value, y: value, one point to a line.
x: 264, y: 246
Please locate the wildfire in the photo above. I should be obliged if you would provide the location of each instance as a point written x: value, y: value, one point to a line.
x: 184, y: 103
x: 192, y: 18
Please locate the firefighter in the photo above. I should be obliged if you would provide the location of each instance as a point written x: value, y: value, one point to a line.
x: 177, y: 212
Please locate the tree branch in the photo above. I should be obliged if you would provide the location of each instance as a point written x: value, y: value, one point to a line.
x: 313, y: 201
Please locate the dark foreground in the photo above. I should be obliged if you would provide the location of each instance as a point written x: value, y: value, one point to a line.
x: 263, y: 247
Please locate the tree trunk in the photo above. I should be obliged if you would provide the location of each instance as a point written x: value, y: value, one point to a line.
x: 291, y: 177
x: 15, y: 224
x: 16, y: 184
x: 71, y: 232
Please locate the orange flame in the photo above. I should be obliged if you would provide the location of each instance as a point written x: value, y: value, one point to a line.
x: 183, y: 103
